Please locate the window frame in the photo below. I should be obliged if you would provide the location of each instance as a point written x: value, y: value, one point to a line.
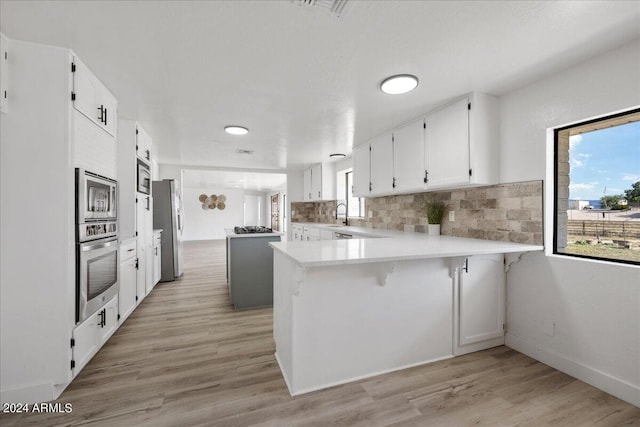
x: 556, y: 133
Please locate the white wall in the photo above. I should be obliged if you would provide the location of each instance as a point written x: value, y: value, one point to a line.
x: 595, y: 306
x: 210, y: 224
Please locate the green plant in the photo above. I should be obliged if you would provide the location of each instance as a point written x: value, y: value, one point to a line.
x: 435, y: 212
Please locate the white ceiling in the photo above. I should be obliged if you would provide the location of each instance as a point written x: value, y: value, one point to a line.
x: 306, y: 83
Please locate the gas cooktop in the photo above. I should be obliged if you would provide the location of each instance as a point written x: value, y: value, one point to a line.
x: 249, y: 229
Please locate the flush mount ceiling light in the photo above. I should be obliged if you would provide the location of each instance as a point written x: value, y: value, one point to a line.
x: 236, y: 130
x: 401, y: 83
x: 337, y: 155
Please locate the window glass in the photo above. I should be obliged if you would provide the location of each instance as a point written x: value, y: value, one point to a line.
x: 597, y: 194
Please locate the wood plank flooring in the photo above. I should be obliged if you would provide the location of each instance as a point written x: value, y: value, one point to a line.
x: 185, y: 358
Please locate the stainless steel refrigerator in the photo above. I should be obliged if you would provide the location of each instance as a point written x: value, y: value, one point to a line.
x: 168, y: 215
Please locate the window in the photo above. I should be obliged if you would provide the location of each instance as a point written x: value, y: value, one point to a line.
x: 348, y: 205
x: 597, y: 189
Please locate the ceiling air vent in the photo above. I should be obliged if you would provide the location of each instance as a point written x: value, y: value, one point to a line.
x: 243, y: 151
x: 338, y: 8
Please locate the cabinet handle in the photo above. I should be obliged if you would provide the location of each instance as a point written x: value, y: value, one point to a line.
x: 147, y: 204
x: 105, y: 116
x: 101, y: 118
x: 309, y: 196
x: 466, y: 265
x: 318, y: 194
x: 426, y: 176
x: 394, y: 183
x: 156, y: 251
x: 148, y: 155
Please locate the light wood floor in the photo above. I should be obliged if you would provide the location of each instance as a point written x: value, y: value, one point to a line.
x: 185, y: 358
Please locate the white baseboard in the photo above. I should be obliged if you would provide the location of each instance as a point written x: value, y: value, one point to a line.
x: 605, y: 382
x: 29, y: 394
x: 356, y: 378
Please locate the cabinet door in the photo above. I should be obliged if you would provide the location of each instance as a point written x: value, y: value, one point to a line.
x: 143, y: 144
x: 316, y: 182
x: 86, y: 338
x: 361, y: 178
x: 447, y: 145
x: 157, y: 264
x: 481, y: 299
x: 381, y: 165
x: 306, y: 184
x: 408, y: 157
x: 110, y: 322
x: 4, y: 74
x: 93, y: 99
x: 127, y: 292
x: 141, y: 284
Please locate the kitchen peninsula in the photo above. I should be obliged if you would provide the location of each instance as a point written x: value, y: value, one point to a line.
x: 355, y: 308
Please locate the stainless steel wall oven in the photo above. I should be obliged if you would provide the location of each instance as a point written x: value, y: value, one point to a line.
x: 96, y: 242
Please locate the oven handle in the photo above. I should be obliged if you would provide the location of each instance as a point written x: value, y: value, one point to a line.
x: 91, y: 246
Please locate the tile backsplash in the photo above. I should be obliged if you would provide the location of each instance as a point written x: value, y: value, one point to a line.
x: 503, y: 212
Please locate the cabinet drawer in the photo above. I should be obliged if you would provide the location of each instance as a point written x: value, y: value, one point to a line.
x: 127, y: 250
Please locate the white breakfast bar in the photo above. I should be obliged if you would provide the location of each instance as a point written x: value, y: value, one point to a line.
x: 350, y: 309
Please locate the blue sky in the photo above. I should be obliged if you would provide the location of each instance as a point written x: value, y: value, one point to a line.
x: 605, y: 161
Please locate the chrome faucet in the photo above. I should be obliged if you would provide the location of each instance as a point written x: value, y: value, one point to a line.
x: 346, y: 218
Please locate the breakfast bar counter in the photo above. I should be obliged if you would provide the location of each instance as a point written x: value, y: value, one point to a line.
x: 351, y: 309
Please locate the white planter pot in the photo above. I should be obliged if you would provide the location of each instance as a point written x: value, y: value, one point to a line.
x: 433, y: 229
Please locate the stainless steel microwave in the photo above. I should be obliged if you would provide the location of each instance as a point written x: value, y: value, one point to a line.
x: 144, y: 178
x: 96, y: 197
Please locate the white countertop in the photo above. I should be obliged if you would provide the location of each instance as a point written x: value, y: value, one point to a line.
x: 232, y: 234
x: 391, y: 245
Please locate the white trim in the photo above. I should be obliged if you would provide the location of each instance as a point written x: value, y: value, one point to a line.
x: 360, y: 377
x: 615, y: 386
x: 284, y: 375
x: 595, y: 261
x: 30, y: 394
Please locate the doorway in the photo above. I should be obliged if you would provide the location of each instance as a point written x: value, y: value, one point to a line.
x: 275, y: 212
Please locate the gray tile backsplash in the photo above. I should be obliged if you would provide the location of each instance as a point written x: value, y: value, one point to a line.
x: 503, y: 212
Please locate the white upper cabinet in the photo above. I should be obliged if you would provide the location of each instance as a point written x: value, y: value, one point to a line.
x: 306, y: 183
x: 408, y: 157
x: 4, y: 73
x: 447, y: 145
x: 361, y: 178
x: 143, y: 145
x: 462, y: 143
x: 319, y: 182
x: 92, y: 98
x: 316, y: 182
x: 381, y: 165
x: 453, y: 146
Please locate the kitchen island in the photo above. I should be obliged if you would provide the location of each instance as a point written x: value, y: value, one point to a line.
x: 351, y: 309
x: 250, y: 268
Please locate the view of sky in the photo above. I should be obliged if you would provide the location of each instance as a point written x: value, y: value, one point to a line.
x: 604, y: 162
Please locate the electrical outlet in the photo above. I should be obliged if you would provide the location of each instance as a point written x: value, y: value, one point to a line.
x: 452, y: 216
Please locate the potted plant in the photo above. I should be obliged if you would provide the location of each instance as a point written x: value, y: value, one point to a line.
x: 435, y: 213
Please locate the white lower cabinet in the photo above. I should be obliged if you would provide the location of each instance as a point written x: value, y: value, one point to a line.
x: 157, y: 257
x: 128, y: 276
x: 90, y: 335
x: 480, y: 303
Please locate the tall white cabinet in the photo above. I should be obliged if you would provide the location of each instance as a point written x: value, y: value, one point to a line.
x: 136, y: 208
x: 44, y: 137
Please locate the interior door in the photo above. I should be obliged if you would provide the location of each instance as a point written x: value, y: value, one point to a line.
x: 275, y: 212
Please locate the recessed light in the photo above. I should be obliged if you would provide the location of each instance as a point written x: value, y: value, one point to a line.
x: 236, y: 130
x: 401, y: 83
x: 337, y: 155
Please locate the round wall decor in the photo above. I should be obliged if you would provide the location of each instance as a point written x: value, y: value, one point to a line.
x: 202, y: 198
x: 221, y: 205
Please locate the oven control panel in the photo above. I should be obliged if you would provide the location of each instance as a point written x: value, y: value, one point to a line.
x: 97, y: 230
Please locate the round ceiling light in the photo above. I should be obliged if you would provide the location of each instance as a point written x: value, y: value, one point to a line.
x: 401, y: 83
x: 236, y: 130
